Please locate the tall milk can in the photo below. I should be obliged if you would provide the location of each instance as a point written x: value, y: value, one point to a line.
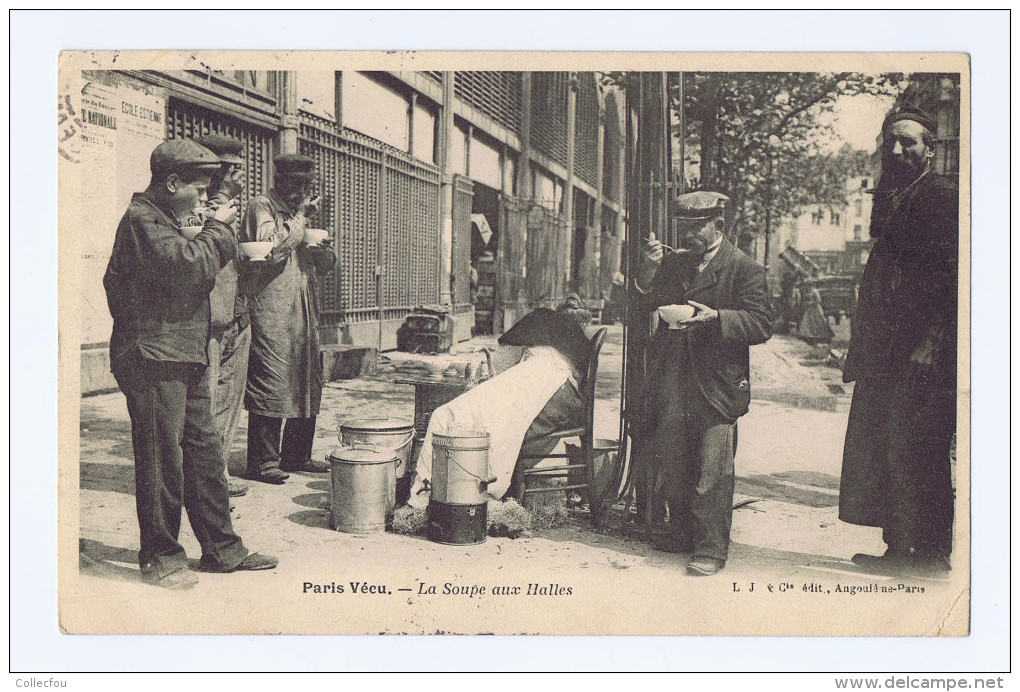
x: 362, y: 481
x: 458, y: 504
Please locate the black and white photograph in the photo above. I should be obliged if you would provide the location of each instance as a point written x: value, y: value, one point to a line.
x: 610, y: 344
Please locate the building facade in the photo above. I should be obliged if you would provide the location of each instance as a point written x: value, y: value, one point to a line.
x: 489, y: 192
x: 835, y: 238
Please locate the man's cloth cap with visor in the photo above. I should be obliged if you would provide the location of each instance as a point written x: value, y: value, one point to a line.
x: 700, y: 205
x: 175, y: 155
x: 295, y: 166
x: 228, y: 149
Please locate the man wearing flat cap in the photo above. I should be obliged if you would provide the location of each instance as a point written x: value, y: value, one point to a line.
x: 157, y: 286
x: 230, y: 335
x: 284, y: 369
x: 698, y: 381
x: 897, y: 471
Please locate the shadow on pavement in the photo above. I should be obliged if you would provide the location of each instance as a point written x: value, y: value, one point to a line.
x: 100, y: 560
x: 116, y: 478
x: 312, y: 518
x: 313, y: 500
x: 807, y: 488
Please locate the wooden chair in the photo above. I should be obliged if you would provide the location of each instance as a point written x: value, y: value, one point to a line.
x: 589, y: 446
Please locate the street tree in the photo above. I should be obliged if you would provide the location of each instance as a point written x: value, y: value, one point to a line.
x: 764, y: 139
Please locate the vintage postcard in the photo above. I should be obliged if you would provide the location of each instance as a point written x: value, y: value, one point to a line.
x: 514, y: 343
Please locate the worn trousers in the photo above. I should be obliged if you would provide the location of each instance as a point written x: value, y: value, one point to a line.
x: 692, y: 447
x: 178, y: 462
x: 687, y: 447
x: 227, y: 375
x: 264, y: 449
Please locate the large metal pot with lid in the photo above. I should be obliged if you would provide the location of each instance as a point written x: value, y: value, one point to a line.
x: 385, y: 433
x: 362, y: 485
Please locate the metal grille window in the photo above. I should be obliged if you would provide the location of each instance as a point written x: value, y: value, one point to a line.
x: 611, y: 151
x: 497, y: 94
x: 549, y: 114
x: 185, y: 120
x: 586, y: 129
x: 383, y: 207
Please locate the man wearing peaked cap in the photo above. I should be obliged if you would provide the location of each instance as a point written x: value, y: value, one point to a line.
x: 698, y: 378
x: 230, y: 335
x: 700, y: 205
x: 157, y: 286
x: 897, y: 467
x: 227, y: 149
x: 295, y: 166
x: 284, y: 373
x: 177, y: 155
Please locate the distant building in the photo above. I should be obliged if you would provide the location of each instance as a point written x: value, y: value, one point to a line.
x: 835, y: 238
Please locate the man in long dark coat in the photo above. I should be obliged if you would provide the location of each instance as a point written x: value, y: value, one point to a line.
x: 896, y: 462
x: 284, y: 368
x: 699, y: 375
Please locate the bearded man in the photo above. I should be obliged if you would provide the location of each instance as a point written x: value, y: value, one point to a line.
x: 897, y: 471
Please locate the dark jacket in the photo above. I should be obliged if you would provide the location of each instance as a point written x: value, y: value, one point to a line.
x: 157, y: 284
x: 910, y: 284
x: 734, y: 285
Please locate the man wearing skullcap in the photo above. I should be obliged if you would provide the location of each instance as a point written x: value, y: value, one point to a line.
x: 230, y: 335
x: 284, y: 369
x: 698, y: 381
x: 897, y: 471
x: 157, y: 286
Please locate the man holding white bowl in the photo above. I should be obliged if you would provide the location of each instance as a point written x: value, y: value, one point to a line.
x: 284, y: 370
x: 157, y: 286
x: 713, y: 302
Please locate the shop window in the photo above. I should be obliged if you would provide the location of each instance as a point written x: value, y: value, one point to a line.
x: 254, y: 80
x: 510, y: 174
x: 424, y: 134
x: 316, y: 93
x: 458, y: 151
x: 545, y: 189
x: 485, y: 165
x: 375, y: 110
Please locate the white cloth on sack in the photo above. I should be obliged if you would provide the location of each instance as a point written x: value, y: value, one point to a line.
x: 505, y: 407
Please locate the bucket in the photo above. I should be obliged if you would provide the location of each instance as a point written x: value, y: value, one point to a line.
x: 361, y: 484
x: 460, y: 468
x: 385, y: 433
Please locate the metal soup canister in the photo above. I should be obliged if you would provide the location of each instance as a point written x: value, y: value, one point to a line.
x: 362, y: 483
x: 387, y: 433
x: 460, y: 468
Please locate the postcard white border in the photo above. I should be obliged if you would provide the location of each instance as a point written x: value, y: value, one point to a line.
x: 36, y: 39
